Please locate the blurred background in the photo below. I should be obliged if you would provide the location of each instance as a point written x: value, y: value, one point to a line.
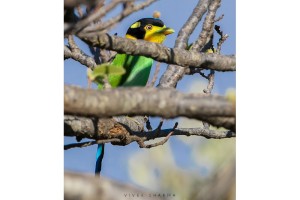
x: 188, y: 167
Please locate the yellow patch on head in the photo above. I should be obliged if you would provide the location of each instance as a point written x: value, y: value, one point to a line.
x: 136, y: 25
x: 154, y: 34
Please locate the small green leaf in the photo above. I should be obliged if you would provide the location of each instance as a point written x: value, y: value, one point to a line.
x: 105, y: 69
x: 116, y: 70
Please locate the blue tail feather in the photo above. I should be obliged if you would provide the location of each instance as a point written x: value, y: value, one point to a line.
x: 99, y: 157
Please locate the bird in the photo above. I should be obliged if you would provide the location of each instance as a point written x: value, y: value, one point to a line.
x: 137, y: 67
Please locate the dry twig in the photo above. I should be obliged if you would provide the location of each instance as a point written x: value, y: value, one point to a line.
x: 93, y: 16
x: 155, y: 75
x: 129, y: 9
x: 143, y: 145
x: 75, y: 53
x: 175, y: 72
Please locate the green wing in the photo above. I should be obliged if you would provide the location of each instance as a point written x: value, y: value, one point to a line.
x: 137, y: 70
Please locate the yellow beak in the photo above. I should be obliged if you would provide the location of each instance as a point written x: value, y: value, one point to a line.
x: 166, y: 31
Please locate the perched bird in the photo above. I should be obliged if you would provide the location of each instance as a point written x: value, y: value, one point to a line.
x: 137, y: 67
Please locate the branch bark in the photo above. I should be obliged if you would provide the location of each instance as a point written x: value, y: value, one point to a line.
x: 74, y: 3
x: 79, y: 56
x: 167, y: 103
x: 174, y: 73
x: 207, y: 27
x: 126, y: 12
x: 161, y: 53
x: 88, y: 187
x: 87, y: 127
x: 93, y: 16
x: 191, y: 23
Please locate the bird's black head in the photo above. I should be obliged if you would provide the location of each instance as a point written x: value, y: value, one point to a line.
x: 150, y: 29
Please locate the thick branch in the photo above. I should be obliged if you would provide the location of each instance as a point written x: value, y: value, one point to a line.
x: 167, y: 103
x: 88, y: 187
x: 161, y: 53
x: 85, y: 127
x: 110, y: 130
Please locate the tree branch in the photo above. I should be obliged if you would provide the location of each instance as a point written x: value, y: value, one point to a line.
x: 161, y: 53
x: 80, y: 56
x: 191, y: 23
x: 94, y: 15
x: 118, y: 133
x: 174, y: 73
x: 88, y: 187
x: 167, y: 103
x: 126, y: 12
x: 207, y: 28
x: 74, y: 3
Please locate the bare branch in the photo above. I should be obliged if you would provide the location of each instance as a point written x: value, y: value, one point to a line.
x: 167, y: 103
x: 83, y: 187
x: 191, y: 23
x: 74, y: 3
x: 155, y: 75
x: 207, y: 28
x: 174, y: 73
x: 80, y: 12
x: 219, y: 18
x: 143, y: 145
x: 211, y: 78
x: 84, y: 127
x: 124, y: 134
x: 161, y: 53
x: 75, y: 53
x: 95, y: 15
x: 222, y: 39
x: 126, y: 12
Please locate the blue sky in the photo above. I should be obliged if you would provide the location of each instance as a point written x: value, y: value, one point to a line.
x: 174, y: 13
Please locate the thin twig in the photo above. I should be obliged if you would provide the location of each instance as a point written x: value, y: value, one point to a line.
x: 93, y: 16
x: 80, y: 12
x: 222, y: 39
x: 143, y: 145
x: 126, y: 12
x: 211, y: 78
x: 155, y: 75
x: 74, y: 52
x: 219, y: 18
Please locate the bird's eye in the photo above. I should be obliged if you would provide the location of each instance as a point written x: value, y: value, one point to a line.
x: 148, y: 27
